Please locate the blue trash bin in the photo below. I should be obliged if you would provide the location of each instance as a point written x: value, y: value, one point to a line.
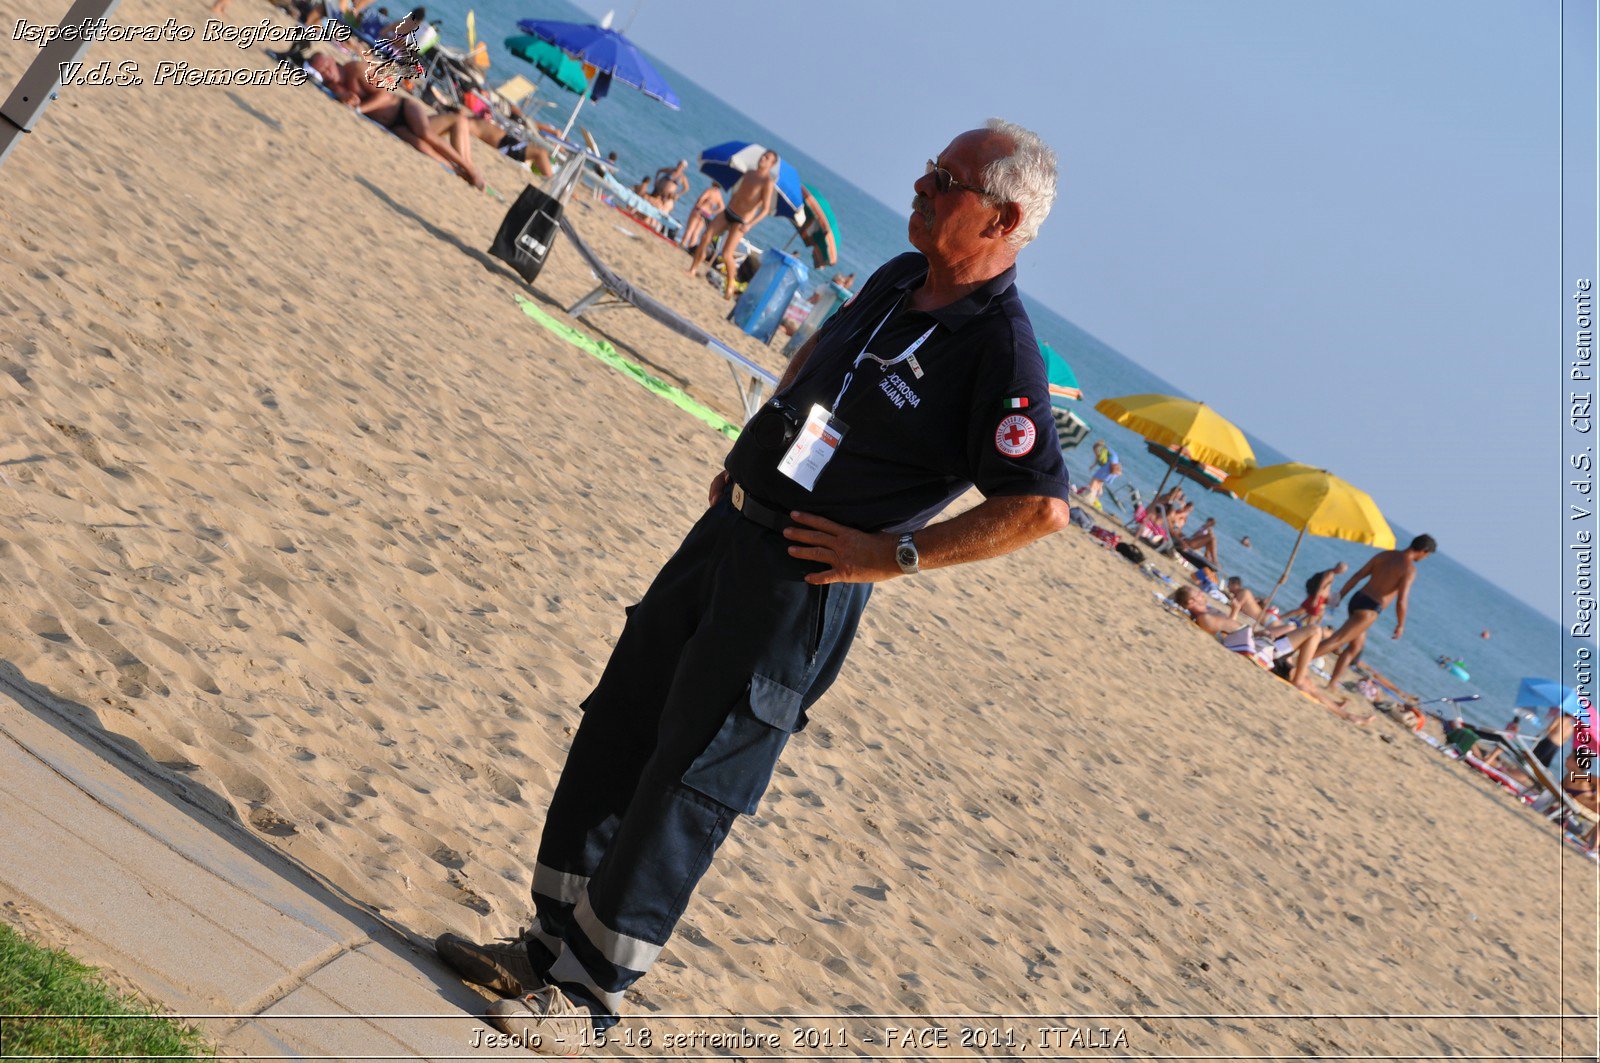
x: 761, y: 307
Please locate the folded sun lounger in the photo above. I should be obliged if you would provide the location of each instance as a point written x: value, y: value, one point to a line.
x: 752, y: 380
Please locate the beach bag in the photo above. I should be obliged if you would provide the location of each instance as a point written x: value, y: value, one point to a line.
x: 1107, y: 537
x: 528, y: 232
x: 1131, y: 553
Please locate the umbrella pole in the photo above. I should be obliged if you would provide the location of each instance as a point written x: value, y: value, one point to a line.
x: 1285, y: 577
x: 573, y: 117
x: 1159, y: 488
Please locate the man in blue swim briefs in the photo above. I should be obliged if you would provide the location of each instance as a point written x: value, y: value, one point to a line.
x: 1388, y: 576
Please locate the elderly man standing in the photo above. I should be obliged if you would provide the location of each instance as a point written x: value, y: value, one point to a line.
x: 928, y: 382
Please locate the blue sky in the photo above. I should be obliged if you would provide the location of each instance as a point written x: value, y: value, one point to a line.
x: 1337, y: 221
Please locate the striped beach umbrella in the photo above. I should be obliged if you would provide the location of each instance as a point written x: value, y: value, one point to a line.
x: 726, y: 163
x: 1063, y: 382
x: 818, y: 228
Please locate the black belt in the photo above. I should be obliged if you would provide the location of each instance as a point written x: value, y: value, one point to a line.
x: 762, y: 514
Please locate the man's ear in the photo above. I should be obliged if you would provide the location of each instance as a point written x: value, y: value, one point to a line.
x: 1009, y: 217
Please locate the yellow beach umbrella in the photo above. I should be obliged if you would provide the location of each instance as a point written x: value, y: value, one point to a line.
x: 1313, y: 500
x: 1194, y: 426
x: 1200, y: 431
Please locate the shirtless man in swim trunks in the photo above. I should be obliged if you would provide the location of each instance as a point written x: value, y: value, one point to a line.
x: 1389, y: 576
x: 749, y: 201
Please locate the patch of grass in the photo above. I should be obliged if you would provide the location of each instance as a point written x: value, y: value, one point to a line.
x: 52, y: 1006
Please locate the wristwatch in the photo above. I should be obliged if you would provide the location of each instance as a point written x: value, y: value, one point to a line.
x: 905, y: 555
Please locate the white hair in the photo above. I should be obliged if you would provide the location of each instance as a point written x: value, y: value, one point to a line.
x: 1026, y: 177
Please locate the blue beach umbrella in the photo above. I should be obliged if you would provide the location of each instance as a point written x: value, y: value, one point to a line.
x: 1547, y: 693
x: 726, y: 163
x: 611, y: 54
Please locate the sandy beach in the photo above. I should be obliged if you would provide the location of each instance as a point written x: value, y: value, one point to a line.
x: 298, y: 499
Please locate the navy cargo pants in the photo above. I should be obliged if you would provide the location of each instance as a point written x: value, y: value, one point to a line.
x: 714, y: 669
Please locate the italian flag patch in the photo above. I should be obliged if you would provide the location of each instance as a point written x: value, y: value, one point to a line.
x: 1020, y: 403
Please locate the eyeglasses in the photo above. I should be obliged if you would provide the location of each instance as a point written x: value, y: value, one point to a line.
x: 944, y: 181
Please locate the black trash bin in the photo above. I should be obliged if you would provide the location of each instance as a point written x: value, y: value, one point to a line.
x: 528, y: 232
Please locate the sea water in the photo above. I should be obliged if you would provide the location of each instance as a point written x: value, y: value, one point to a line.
x: 1450, y: 605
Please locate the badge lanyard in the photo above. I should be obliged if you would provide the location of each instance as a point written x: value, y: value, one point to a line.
x: 819, y: 440
x: 907, y: 355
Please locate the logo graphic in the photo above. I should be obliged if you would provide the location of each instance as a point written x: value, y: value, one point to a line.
x: 394, y: 58
x: 1015, y: 436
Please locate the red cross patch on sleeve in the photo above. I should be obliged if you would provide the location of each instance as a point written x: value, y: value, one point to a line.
x: 1015, y: 436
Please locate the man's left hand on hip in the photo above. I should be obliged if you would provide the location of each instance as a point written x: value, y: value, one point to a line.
x: 852, y: 556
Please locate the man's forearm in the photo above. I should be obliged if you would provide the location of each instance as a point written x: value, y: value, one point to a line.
x: 796, y: 363
x: 994, y: 527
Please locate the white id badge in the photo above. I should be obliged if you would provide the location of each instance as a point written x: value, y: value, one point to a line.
x: 813, y: 448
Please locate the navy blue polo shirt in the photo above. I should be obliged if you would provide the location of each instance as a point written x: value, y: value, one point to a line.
x: 977, y: 414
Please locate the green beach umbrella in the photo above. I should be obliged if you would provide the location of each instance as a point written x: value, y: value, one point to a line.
x: 1063, y: 383
x: 550, y: 61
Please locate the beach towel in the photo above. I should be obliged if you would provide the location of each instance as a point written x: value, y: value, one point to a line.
x: 1241, y: 641
x: 627, y: 198
x: 641, y: 376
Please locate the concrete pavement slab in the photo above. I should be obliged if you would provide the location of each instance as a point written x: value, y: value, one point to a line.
x: 202, y: 916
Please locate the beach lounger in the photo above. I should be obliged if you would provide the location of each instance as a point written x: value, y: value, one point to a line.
x: 752, y: 380
x: 627, y: 199
x: 1564, y: 807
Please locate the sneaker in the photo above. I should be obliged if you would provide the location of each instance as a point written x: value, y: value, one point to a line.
x: 504, y: 968
x: 546, y: 1022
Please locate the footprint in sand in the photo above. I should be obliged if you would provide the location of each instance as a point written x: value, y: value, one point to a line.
x: 269, y: 822
x: 48, y: 628
x: 468, y: 897
x: 88, y: 448
x: 448, y: 857
x: 501, y: 783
